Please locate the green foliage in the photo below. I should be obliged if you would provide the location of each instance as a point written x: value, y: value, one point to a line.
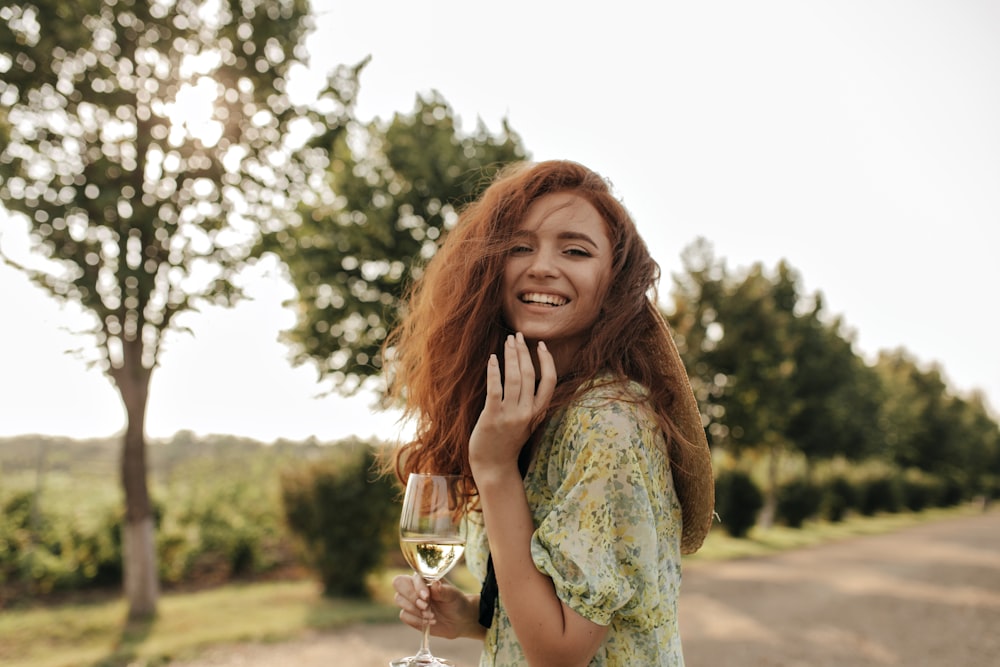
x: 771, y: 370
x: 345, y: 515
x: 218, y: 512
x: 880, y: 493
x: 738, y: 501
x: 839, y: 496
x: 953, y: 490
x: 919, y: 490
x: 130, y: 199
x: 798, y: 500
x: 928, y: 428
x: 42, y: 553
x: 221, y: 530
x: 394, y: 189
x: 769, y: 367
x: 774, y: 373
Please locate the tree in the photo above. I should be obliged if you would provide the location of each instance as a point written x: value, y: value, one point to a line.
x: 770, y: 370
x: 146, y: 143
x: 839, y: 396
x: 928, y: 427
x: 915, y: 414
x: 737, y: 333
x: 393, y: 189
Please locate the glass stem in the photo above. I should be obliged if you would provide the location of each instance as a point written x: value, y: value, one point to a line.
x: 425, y: 644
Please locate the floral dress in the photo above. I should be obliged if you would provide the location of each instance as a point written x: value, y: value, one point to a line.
x: 607, y: 531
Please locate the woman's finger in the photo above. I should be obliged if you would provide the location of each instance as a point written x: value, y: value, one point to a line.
x: 494, y: 385
x: 420, y: 586
x: 415, y: 620
x: 512, y: 372
x: 547, y: 384
x: 411, y: 600
x: 527, y: 370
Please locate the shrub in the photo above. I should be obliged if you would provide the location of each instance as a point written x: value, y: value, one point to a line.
x: 51, y: 552
x: 919, y: 491
x: 882, y: 493
x: 953, y: 491
x: 342, y: 512
x: 223, y: 519
x: 737, y: 500
x: 798, y: 500
x: 839, y: 496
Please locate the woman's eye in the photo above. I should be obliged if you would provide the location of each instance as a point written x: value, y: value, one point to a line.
x: 577, y: 252
x: 520, y: 249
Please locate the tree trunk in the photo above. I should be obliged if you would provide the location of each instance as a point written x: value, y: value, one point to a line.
x: 770, y: 508
x: 142, y: 587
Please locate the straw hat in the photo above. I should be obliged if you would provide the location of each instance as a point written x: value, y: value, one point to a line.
x: 690, y: 461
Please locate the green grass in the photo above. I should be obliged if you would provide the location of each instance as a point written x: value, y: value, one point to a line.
x: 94, y: 634
x: 720, y: 546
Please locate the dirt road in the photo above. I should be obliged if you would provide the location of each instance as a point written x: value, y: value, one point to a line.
x: 927, y: 596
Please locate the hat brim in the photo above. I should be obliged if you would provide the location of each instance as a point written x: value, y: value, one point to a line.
x: 690, y: 458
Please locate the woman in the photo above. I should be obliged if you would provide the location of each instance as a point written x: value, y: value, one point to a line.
x: 536, y: 364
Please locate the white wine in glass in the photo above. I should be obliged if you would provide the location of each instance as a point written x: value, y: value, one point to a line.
x: 432, y: 538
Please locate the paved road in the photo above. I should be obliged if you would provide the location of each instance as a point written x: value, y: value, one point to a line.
x: 927, y: 596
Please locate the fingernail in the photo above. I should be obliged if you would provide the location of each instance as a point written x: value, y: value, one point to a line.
x: 541, y: 346
x: 493, y: 360
x: 510, y: 340
x: 520, y: 337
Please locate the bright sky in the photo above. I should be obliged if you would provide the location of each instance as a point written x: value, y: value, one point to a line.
x: 857, y: 139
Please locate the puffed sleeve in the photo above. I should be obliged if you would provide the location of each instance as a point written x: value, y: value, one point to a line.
x: 597, y: 539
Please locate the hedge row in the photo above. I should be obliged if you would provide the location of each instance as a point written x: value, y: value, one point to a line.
x: 739, y: 499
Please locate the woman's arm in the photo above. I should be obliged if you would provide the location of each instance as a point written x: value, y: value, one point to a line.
x: 550, y: 633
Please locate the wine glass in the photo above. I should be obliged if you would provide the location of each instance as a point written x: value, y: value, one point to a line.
x: 432, y: 538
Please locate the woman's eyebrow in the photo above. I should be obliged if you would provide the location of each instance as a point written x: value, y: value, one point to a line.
x: 577, y: 236
x: 568, y: 235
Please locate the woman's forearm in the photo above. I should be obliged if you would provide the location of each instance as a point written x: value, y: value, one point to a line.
x: 550, y: 633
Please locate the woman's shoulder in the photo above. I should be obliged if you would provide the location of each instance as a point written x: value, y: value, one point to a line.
x: 608, y: 426
x: 610, y: 393
x: 608, y: 404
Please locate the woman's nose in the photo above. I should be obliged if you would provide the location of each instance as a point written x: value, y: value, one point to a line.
x: 543, y: 263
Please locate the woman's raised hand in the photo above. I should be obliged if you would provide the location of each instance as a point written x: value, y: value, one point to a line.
x: 514, y: 405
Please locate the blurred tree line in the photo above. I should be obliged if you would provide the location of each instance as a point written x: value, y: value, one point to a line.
x: 776, y: 374
x: 140, y: 212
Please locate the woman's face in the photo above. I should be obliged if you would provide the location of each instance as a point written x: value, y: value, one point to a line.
x: 557, y: 274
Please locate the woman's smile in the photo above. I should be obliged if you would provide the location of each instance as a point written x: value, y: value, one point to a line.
x: 553, y: 300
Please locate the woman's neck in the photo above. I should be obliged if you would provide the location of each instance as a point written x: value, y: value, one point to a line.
x: 565, y: 356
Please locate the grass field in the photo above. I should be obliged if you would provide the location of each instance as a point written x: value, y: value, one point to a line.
x: 92, y: 631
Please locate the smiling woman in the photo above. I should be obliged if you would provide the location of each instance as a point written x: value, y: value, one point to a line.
x: 538, y: 368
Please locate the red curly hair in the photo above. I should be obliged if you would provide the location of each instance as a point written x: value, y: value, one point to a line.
x: 436, y: 357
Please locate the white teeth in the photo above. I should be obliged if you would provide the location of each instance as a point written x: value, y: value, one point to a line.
x: 549, y: 299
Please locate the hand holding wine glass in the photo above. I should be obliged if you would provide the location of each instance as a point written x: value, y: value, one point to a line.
x: 432, y: 538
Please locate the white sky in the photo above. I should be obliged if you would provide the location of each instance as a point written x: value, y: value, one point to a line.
x: 857, y: 139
